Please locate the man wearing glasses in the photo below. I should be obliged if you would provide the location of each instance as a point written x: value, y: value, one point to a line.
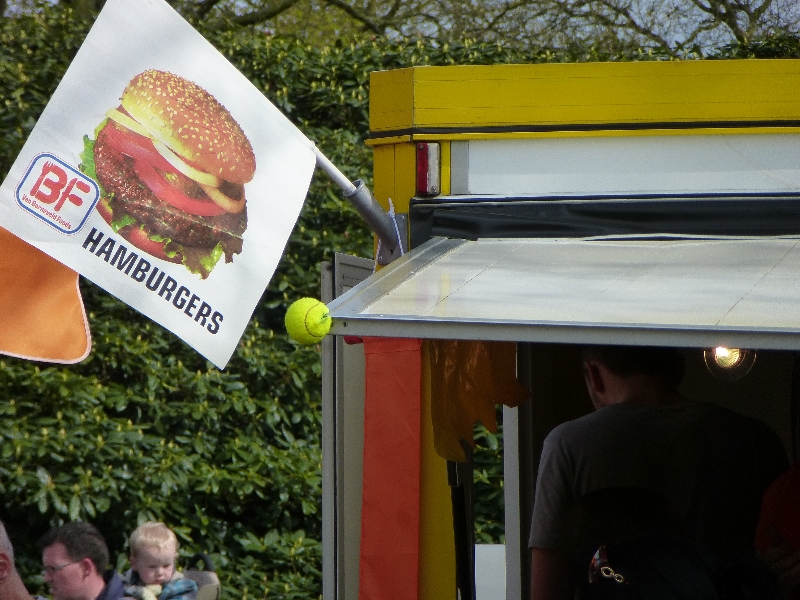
x: 75, y: 557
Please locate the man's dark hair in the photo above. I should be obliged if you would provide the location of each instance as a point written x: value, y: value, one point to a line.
x: 638, y: 360
x: 82, y: 540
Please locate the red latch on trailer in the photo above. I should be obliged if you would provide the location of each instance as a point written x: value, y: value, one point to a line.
x: 428, y: 169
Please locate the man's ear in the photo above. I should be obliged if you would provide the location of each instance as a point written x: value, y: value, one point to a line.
x: 6, y: 566
x: 594, y: 377
x: 88, y: 567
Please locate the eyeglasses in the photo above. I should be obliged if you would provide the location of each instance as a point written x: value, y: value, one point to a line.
x: 599, y: 569
x: 52, y: 570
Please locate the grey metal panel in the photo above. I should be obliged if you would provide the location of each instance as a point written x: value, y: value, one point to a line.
x: 342, y: 440
x: 512, y: 487
x: 459, y: 167
x: 329, y: 345
x: 681, y: 292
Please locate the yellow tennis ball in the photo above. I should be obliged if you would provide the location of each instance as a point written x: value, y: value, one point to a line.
x: 307, y: 321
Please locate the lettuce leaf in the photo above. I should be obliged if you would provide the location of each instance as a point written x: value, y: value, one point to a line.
x: 210, y: 261
x: 87, y: 165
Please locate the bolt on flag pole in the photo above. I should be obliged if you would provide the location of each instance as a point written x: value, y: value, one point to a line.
x: 362, y: 199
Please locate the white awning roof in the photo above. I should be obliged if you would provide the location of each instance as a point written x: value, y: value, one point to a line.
x: 682, y: 292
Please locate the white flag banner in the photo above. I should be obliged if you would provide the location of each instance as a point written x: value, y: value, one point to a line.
x: 160, y: 173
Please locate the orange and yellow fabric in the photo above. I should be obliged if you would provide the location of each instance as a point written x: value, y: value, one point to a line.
x: 390, y: 513
x: 42, y: 316
x: 468, y: 378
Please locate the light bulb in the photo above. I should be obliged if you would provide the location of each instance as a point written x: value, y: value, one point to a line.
x: 727, y: 358
x: 729, y: 364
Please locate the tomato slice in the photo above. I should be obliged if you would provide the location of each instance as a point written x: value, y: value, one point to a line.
x: 136, y: 236
x: 166, y: 193
x: 146, y: 159
x: 136, y: 146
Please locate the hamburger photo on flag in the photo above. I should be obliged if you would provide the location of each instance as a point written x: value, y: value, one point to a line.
x: 172, y: 163
x: 163, y: 175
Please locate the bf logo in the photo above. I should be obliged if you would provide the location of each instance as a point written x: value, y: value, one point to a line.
x: 57, y: 193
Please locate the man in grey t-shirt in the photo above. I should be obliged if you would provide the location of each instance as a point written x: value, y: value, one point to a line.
x: 708, y: 464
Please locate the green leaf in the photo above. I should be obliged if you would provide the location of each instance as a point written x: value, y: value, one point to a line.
x: 43, y: 476
x: 74, y: 508
x: 87, y: 165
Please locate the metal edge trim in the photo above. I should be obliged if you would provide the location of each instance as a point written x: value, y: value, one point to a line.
x: 576, y: 333
x: 359, y: 298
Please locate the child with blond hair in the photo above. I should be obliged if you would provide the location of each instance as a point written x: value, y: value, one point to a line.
x: 152, y: 575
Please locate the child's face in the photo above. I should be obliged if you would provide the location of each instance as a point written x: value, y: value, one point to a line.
x: 154, y: 565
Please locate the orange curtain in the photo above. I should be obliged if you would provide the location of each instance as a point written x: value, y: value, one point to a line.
x: 390, y: 511
x: 41, y: 311
x: 468, y: 378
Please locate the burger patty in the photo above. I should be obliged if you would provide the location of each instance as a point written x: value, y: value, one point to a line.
x: 129, y: 195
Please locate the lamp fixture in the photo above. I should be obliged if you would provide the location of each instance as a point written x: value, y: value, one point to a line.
x: 729, y: 364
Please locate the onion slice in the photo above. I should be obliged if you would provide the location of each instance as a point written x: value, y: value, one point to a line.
x: 189, y: 171
x: 228, y: 204
x: 128, y: 122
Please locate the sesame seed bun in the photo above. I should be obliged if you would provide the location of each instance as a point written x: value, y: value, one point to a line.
x: 191, y: 123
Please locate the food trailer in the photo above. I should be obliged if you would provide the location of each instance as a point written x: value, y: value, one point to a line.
x: 542, y: 207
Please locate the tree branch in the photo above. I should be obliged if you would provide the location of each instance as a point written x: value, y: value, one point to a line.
x: 707, y: 26
x: 264, y: 14
x: 722, y: 13
x: 757, y: 13
x: 493, y: 21
x: 374, y: 27
x: 204, y: 7
x: 392, y: 11
x: 628, y: 21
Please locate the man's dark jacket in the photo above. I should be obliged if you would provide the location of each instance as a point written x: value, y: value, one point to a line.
x: 114, y: 589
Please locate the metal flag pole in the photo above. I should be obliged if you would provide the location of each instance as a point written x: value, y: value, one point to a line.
x: 359, y: 196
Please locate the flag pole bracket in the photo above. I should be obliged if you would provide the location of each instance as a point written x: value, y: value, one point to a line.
x: 378, y: 220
